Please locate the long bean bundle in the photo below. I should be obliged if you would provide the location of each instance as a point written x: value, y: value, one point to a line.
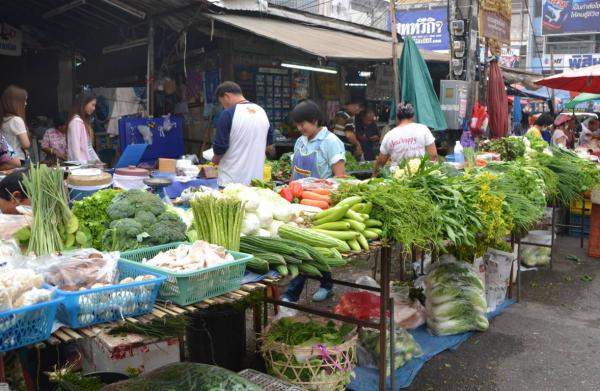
x: 218, y: 220
x: 51, y: 215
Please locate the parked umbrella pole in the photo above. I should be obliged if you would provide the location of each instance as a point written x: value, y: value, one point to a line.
x: 394, y: 51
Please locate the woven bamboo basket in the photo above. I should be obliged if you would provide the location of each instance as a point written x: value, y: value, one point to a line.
x: 318, y: 367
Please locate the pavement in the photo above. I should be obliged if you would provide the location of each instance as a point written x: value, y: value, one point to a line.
x: 548, y: 341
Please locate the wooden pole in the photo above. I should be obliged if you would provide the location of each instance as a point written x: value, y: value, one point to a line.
x: 394, y: 50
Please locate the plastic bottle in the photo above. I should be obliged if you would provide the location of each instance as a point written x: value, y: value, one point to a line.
x: 459, y: 157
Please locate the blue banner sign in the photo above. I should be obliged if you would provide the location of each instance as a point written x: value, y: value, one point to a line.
x: 428, y: 27
x: 570, y: 16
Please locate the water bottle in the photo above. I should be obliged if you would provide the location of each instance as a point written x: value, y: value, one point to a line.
x: 459, y: 156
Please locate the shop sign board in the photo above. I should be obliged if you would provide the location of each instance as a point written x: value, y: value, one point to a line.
x: 494, y: 19
x: 570, y: 16
x: 11, y: 40
x: 428, y: 27
x: 571, y: 61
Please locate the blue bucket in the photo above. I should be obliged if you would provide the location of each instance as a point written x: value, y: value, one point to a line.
x: 77, y: 193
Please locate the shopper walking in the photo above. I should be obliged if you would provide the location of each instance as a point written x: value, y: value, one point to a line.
x: 318, y: 153
x: 367, y: 133
x: 12, y: 112
x: 344, y: 126
x: 54, y: 143
x: 80, y: 135
x: 242, y: 137
x: 408, y: 140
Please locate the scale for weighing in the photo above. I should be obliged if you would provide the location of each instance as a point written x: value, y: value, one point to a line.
x: 157, y: 185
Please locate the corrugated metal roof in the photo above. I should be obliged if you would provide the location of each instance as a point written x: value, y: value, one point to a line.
x: 320, y: 42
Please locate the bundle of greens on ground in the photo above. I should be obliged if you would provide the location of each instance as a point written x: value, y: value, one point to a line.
x: 408, y: 215
x: 218, y: 219
x: 455, y: 299
x: 54, y: 226
x: 139, y: 218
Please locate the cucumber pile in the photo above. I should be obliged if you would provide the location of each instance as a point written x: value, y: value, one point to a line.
x: 292, y: 256
x: 349, y: 221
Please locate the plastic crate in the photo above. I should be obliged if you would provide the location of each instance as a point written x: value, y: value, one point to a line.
x: 576, y: 220
x: 110, y: 303
x: 266, y: 382
x: 186, y: 288
x: 27, y: 325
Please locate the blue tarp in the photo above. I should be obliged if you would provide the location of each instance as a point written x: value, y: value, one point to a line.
x: 367, y: 379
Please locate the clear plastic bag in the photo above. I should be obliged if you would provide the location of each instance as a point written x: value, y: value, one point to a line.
x: 316, y: 183
x: 455, y: 298
x: 77, y: 269
x: 405, y: 348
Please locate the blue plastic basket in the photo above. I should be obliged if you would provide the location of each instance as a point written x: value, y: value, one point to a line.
x: 110, y: 303
x: 191, y: 287
x: 27, y: 325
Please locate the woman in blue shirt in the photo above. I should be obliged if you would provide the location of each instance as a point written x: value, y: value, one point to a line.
x: 318, y: 153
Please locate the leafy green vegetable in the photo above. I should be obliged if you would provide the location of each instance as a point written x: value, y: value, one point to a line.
x: 352, y: 164
x: 297, y: 333
x: 91, y: 212
x: 509, y: 148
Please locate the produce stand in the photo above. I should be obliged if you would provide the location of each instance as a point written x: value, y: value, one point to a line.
x: 386, y: 305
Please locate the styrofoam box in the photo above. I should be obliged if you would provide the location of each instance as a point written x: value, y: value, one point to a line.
x: 107, y: 353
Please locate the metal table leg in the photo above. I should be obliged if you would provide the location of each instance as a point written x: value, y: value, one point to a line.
x: 392, y: 343
x: 384, y: 300
x: 518, y: 269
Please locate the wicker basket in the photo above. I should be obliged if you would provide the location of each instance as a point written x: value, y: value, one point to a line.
x: 320, y: 368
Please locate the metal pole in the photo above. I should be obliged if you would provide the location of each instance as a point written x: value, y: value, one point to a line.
x: 552, y: 72
x: 394, y: 50
x: 392, y: 343
x: 150, y: 69
x: 386, y: 256
x: 518, y: 269
x: 582, y: 219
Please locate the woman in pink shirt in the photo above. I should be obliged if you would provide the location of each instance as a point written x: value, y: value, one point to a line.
x: 79, y: 130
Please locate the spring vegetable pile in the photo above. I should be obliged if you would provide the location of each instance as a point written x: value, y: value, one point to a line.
x: 139, y: 218
x: 185, y: 258
x: 455, y: 299
x: 298, y: 250
x: 54, y: 226
x: 294, y: 332
x: 509, y: 148
x: 349, y: 221
x: 218, y: 219
x: 92, y: 215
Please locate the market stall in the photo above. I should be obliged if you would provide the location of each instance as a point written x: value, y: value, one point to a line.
x: 128, y: 261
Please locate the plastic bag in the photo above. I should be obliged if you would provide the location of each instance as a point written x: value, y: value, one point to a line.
x: 535, y: 255
x: 316, y: 183
x: 185, y: 376
x: 405, y: 348
x: 361, y: 305
x: 14, y: 283
x: 77, y: 269
x: 408, y: 313
x: 455, y: 298
x: 497, y: 276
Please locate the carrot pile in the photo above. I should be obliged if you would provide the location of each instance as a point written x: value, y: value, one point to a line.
x: 318, y: 197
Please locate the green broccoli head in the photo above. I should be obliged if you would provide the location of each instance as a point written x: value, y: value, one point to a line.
x: 123, y: 234
x: 145, y: 218
x: 168, y: 228
x: 127, y: 203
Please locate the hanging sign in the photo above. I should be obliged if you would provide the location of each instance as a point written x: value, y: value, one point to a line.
x: 11, y: 40
x: 494, y: 19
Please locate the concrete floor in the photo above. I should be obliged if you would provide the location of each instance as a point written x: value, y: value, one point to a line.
x: 549, y: 341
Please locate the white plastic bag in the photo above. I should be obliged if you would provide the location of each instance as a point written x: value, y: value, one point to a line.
x: 497, y: 276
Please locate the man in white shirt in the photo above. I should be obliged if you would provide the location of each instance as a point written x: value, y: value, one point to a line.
x: 408, y: 140
x: 242, y: 137
x: 589, y: 131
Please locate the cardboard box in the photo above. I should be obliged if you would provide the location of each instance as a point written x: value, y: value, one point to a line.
x: 167, y: 165
x: 108, y: 353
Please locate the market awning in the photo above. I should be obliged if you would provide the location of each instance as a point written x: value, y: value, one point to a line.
x: 320, y: 42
